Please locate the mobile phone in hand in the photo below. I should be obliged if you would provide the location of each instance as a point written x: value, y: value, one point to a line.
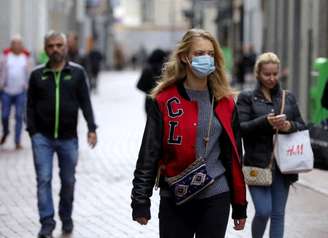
x: 281, y: 116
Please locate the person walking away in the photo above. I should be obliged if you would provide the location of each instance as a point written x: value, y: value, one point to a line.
x: 192, y: 117
x: 150, y: 74
x: 119, y: 57
x: 73, y: 53
x: 56, y: 92
x: 259, y: 111
x: 15, y: 67
x: 245, y: 65
x: 93, y: 61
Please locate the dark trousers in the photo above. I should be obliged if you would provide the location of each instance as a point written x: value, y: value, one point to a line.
x: 207, y: 218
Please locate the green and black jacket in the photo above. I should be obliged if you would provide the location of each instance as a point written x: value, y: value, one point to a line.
x: 54, y: 99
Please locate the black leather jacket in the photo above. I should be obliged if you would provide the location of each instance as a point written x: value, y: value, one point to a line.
x: 256, y: 131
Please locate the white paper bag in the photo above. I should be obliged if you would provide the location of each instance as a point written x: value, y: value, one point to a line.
x: 293, y: 152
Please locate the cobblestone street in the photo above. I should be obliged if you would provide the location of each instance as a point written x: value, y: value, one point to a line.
x: 104, y: 174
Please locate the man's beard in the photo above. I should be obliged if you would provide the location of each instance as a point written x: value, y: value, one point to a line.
x: 56, y: 57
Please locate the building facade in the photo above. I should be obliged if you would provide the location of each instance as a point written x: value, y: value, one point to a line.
x: 149, y: 24
x: 34, y: 18
x: 22, y: 17
x: 297, y: 30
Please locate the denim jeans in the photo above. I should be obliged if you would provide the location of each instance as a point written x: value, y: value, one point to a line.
x: 270, y: 202
x: 43, y: 153
x: 19, y: 101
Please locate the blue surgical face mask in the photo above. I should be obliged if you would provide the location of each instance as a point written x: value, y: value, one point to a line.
x: 203, y: 65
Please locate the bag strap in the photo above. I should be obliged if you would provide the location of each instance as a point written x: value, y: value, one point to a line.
x: 283, y: 100
x: 282, y: 108
x: 207, y: 138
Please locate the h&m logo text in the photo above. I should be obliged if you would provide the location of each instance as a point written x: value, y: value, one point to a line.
x: 295, y: 150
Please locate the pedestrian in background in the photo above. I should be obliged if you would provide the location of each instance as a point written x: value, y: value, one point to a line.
x: 73, y: 53
x: 192, y: 88
x: 151, y: 74
x: 119, y: 57
x: 93, y: 64
x: 15, y: 66
x: 324, y: 103
x: 56, y: 91
x: 259, y: 120
x: 245, y: 65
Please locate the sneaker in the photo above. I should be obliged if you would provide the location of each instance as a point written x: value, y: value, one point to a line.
x: 3, y: 139
x: 45, y: 236
x: 46, y: 230
x: 67, y: 227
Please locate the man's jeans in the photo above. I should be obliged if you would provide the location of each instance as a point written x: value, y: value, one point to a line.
x: 270, y: 202
x: 43, y: 153
x: 19, y: 101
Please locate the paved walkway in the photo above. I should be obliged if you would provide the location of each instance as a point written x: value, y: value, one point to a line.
x: 102, y: 204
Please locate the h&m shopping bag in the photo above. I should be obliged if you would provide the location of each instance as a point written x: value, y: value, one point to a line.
x: 293, y: 152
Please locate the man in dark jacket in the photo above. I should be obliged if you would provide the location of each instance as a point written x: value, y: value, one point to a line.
x: 56, y: 92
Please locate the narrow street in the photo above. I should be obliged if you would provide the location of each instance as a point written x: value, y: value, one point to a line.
x: 104, y: 174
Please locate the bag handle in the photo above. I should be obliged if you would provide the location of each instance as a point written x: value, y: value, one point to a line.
x: 283, y: 99
x: 282, y: 108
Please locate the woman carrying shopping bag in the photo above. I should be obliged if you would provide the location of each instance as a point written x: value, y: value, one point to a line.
x: 260, y: 118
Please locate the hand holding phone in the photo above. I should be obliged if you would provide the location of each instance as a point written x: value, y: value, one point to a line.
x: 276, y: 121
x: 279, y: 121
x: 281, y: 117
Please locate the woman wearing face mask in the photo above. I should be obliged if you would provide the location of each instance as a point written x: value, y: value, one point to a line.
x: 259, y: 119
x: 192, y: 115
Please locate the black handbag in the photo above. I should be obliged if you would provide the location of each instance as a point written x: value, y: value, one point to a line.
x: 194, y: 178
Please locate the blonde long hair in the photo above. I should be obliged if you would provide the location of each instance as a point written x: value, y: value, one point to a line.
x: 175, y: 69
